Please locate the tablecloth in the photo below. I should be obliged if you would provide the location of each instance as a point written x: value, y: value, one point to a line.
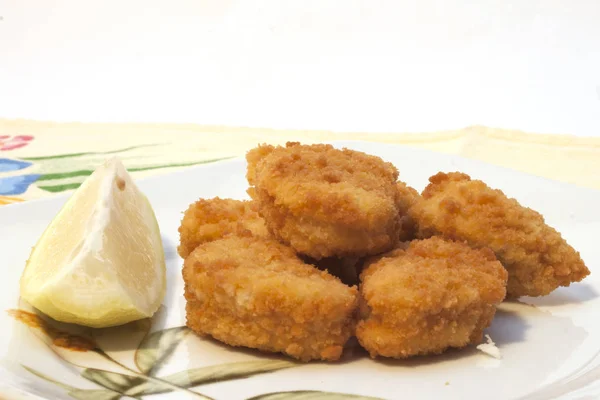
x: 40, y: 159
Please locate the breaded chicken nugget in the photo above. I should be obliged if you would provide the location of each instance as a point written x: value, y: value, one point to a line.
x: 408, y: 198
x: 537, y: 258
x: 326, y: 202
x: 433, y: 295
x: 211, y: 219
x: 253, y: 292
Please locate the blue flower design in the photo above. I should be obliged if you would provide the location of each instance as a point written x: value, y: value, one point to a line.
x: 16, y: 184
x: 8, y: 165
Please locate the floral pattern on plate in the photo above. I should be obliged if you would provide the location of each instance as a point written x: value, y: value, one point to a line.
x: 152, y: 350
x: 8, y: 142
x: 67, y: 171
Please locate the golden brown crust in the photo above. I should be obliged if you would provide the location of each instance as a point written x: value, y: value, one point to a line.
x: 212, y: 219
x: 252, y: 292
x: 253, y: 158
x: 537, y: 258
x: 326, y: 202
x: 429, y: 296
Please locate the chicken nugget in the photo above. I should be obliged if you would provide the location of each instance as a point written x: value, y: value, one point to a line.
x: 537, y: 258
x: 430, y: 296
x: 408, y: 198
x: 211, y: 219
x: 253, y: 292
x: 326, y: 202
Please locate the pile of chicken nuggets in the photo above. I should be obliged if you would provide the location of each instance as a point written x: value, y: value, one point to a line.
x: 332, y: 245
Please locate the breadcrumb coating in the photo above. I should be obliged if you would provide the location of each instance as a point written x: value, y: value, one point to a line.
x: 537, y: 258
x: 211, y: 219
x: 326, y: 202
x: 254, y: 292
x: 428, y: 296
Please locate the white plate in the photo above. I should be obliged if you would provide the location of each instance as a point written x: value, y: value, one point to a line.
x: 550, y: 345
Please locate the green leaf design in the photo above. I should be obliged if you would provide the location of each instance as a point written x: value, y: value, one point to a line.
x: 113, y: 340
x: 76, y: 393
x: 88, y: 172
x: 174, y: 165
x: 112, y: 380
x: 139, y: 386
x: 60, y: 188
x: 153, y: 350
x: 63, y: 175
x: 156, y: 348
x: 69, y: 155
x: 215, y: 373
x: 81, y: 394
x: 311, y: 395
x: 48, y: 379
x: 127, y: 384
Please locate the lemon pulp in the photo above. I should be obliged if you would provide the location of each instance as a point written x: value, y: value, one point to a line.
x: 100, y: 262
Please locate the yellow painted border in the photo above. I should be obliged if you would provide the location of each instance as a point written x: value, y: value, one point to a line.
x: 9, y: 200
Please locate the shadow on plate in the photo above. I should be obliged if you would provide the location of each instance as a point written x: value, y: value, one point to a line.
x: 449, y: 355
x: 508, y: 326
x: 170, y: 249
x: 221, y: 347
x: 128, y: 337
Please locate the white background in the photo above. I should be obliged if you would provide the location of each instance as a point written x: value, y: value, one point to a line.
x: 355, y: 65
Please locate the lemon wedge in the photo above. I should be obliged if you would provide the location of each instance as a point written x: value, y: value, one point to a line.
x: 100, y: 262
